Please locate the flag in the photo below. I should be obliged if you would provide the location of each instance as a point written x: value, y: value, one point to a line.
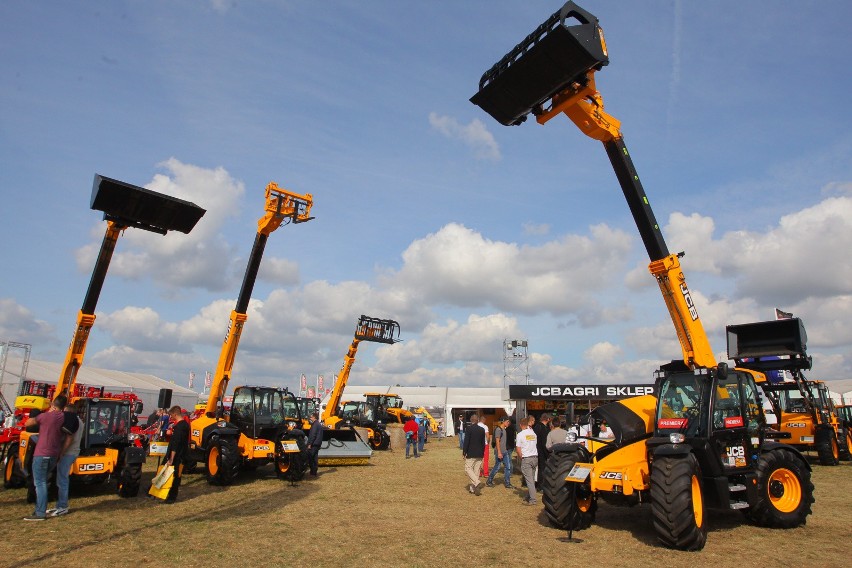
x: 319, y: 383
x: 207, y: 380
x: 191, y: 378
x: 304, y: 383
x: 310, y: 392
x: 780, y: 315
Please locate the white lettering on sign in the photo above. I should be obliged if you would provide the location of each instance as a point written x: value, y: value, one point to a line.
x: 687, y: 297
x: 611, y: 475
x: 91, y: 467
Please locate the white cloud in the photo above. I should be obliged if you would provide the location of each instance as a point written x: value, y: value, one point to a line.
x: 201, y: 259
x: 20, y: 325
x: 279, y: 271
x: 475, y: 135
x: 536, y: 229
x: 460, y: 267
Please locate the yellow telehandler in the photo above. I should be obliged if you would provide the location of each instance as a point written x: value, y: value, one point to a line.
x: 702, y: 442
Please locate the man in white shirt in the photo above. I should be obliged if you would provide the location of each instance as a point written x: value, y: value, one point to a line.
x: 526, y: 444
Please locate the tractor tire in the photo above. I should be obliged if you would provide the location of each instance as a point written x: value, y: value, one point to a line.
x: 291, y: 466
x: 13, y: 473
x: 828, y: 450
x: 568, y: 505
x: 380, y: 440
x: 223, y: 461
x: 677, y: 502
x: 129, y: 480
x: 846, y: 446
x: 784, y: 490
x: 27, y: 468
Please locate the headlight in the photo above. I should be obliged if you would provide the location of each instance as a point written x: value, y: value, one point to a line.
x: 676, y: 438
x: 132, y: 437
x: 572, y: 437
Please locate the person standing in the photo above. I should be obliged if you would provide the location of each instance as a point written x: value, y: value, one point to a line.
x: 557, y: 434
x: 421, y: 433
x: 314, y: 443
x: 460, y: 431
x: 486, y: 457
x: 47, y: 450
x: 541, y: 429
x: 526, y: 444
x: 473, y: 452
x: 176, y: 452
x: 502, y: 456
x: 411, y: 430
x: 73, y: 428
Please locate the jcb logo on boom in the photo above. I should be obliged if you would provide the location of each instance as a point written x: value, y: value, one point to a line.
x: 693, y: 311
x: 611, y: 475
x: 91, y: 467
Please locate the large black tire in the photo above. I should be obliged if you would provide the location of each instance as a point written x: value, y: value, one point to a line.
x: 129, y: 480
x: 677, y: 502
x: 223, y: 460
x: 784, y: 490
x: 380, y: 440
x: 13, y: 473
x: 828, y: 450
x: 846, y: 445
x: 291, y: 466
x: 568, y: 505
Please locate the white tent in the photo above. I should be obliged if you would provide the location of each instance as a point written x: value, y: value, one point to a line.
x: 146, y: 387
x: 445, y: 398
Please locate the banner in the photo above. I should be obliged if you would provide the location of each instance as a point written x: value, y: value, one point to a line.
x: 207, y: 380
x: 191, y: 378
x: 577, y: 392
x: 304, y: 383
x: 319, y: 384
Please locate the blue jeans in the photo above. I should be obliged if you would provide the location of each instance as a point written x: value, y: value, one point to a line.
x: 461, y: 440
x: 41, y: 470
x: 506, y: 462
x: 63, y: 470
x: 409, y: 442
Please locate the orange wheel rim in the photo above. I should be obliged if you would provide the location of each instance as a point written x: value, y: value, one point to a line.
x: 213, y: 461
x: 785, y: 490
x: 697, y: 502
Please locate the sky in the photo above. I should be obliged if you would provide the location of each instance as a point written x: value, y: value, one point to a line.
x: 427, y: 211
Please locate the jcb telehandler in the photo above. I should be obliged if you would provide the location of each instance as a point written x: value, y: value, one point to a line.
x: 370, y: 416
x: 702, y: 442
x: 223, y: 446
x: 804, y: 409
x: 106, y: 448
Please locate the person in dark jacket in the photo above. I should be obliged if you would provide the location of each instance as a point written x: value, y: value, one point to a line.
x: 314, y: 443
x: 178, y: 450
x: 474, y: 452
x: 541, y: 429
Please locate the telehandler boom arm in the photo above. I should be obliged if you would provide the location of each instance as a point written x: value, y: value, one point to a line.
x: 527, y: 79
x: 124, y: 206
x: 281, y: 205
x: 368, y: 329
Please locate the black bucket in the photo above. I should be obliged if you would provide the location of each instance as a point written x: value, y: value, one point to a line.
x: 759, y: 345
x: 134, y: 206
x: 546, y: 62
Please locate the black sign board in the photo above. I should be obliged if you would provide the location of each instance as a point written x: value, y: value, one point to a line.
x: 577, y: 392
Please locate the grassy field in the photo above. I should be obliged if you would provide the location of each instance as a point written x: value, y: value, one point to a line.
x: 394, y: 512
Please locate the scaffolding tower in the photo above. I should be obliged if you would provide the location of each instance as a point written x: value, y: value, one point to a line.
x: 9, y: 384
x: 516, y: 369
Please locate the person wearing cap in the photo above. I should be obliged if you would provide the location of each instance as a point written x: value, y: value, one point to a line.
x: 502, y: 456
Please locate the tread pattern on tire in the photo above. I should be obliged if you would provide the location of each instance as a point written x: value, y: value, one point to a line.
x: 129, y: 480
x: 558, y: 495
x: 671, y: 502
x: 229, y: 461
x: 763, y: 513
x: 827, y: 448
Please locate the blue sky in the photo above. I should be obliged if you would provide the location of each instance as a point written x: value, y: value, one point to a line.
x: 427, y: 211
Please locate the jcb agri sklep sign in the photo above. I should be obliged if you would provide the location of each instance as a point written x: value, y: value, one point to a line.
x: 579, y: 392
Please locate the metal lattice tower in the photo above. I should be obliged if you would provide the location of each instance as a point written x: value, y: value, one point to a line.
x: 16, y: 381
x: 516, y: 366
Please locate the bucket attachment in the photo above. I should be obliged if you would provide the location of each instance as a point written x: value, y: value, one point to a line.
x: 343, y: 447
x: 759, y: 345
x: 550, y: 59
x: 378, y: 330
x: 132, y: 206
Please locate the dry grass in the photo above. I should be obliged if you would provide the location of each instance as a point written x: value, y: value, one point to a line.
x: 393, y: 512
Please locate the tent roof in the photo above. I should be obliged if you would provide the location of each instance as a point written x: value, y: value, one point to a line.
x: 451, y: 397
x: 48, y: 372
